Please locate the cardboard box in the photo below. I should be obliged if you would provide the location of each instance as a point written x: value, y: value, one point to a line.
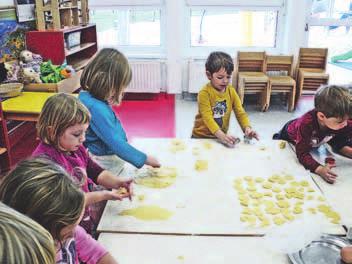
x: 67, y: 85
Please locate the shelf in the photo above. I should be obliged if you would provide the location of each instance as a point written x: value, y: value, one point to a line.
x: 79, y: 48
x: 77, y: 28
x: 2, y: 150
x: 80, y: 64
x: 67, y: 7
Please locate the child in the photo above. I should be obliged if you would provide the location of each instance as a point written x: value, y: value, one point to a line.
x: 342, y: 143
x: 61, y: 128
x: 216, y: 100
x: 43, y: 191
x: 327, y: 120
x: 104, y: 80
x: 22, y: 239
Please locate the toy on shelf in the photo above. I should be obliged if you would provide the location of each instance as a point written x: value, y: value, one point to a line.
x: 58, y: 14
x: 30, y: 60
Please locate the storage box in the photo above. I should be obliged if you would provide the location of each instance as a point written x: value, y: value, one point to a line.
x: 67, y: 85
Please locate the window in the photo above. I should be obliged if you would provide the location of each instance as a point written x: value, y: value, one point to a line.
x: 330, y: 23
x: 241, y: 28
x: 338, y: 9
x: 131, y: 27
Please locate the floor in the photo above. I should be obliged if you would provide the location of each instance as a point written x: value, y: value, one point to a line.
x: 264, y: 123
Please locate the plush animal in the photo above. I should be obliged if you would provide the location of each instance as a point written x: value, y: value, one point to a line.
x: 12, y: 69
x: 29, y: 75
x: 3, y: 72
x: 29, y: 59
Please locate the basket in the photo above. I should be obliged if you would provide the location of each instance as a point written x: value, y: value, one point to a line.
x: 10, y: 89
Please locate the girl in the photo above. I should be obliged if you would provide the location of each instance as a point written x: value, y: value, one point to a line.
x: 22, y: 239
x: 61, y: 128
x: 104, y: 80
x: 43, y: 191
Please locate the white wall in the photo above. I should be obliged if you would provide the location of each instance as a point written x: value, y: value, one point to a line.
x: 295, y: 21
x: 7, y: 3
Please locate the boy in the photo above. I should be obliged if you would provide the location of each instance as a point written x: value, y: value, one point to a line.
x: 216, y: 100
x: 328, y: 120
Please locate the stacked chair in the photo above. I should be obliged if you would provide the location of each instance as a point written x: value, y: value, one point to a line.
x: 279, y: 70
x: 250, y: 77
x: 311, y: 70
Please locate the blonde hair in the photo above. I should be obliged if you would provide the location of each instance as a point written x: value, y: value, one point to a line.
x: 106, y: 75
x: 22, y: 240
x: 42, y: 190
x: 59, y: 112
x: 334, y: 101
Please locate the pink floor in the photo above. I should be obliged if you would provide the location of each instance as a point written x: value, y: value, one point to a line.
x: 148, y: 118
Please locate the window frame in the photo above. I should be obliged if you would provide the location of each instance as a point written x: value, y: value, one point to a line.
x: 139, y: 51
x: 202, y: 52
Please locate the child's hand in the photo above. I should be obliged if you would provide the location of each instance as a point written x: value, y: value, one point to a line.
x: 326, y: 173
x: 251, y: 133
x: 116, y: 195
x: 151, y: 161
x: 126, y: 184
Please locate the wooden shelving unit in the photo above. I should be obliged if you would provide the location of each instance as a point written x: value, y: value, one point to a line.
x: 59, y: 14
x: 51, y: 45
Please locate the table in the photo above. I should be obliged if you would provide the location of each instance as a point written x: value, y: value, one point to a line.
x: 155, y: 249
x: 205, y: 202
x: 25, y: 107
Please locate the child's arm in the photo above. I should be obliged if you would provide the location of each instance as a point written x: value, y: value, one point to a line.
x: 110, y: 131
x: 303, y: 148
x: 89, y: 250
x: 105, y: 195
x: 228, y: 140
x: 346, y: 151
x: 107, y: 259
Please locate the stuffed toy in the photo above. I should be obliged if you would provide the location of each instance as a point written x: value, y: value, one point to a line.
x: 29, y: 75
x: 29, y: 59
x: 12, y: 69
x: 3, y: 72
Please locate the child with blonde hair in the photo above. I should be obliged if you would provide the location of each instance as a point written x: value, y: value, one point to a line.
x: 103, y: 82
x: 61, y: 128
x: 23, y: 239
x: 216, y: 100
x: 328, y: 123
x: 44, y: 191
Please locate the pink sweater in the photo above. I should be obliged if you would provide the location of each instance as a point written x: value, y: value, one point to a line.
x: 82, y: 247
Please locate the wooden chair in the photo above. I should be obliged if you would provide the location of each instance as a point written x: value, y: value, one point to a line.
x: 5, y: 157
x: 311, y: 70
x: 249, y: 77
x: 279, y: 70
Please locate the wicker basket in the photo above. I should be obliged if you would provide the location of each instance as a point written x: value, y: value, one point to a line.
x: 10, y: 89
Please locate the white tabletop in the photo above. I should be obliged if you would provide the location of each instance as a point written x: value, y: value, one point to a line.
x: 168, y: 249
x: 205, y: 202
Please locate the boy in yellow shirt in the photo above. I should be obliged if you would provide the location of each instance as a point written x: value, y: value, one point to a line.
x: 216, y: 100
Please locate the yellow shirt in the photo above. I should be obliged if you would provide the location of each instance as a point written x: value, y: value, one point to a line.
x: 214, y: 111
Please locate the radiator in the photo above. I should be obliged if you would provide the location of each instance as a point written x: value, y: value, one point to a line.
x: 146, y: 77
x: 196, y: 76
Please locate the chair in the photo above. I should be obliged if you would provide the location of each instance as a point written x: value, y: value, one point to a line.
x: 5, y: 157
x: 251, y: 78
x: 279, y: 71
x: 310, y: 70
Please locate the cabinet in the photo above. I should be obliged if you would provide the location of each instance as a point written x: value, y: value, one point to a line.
x: 52, y: 45
x: 57, y: 14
